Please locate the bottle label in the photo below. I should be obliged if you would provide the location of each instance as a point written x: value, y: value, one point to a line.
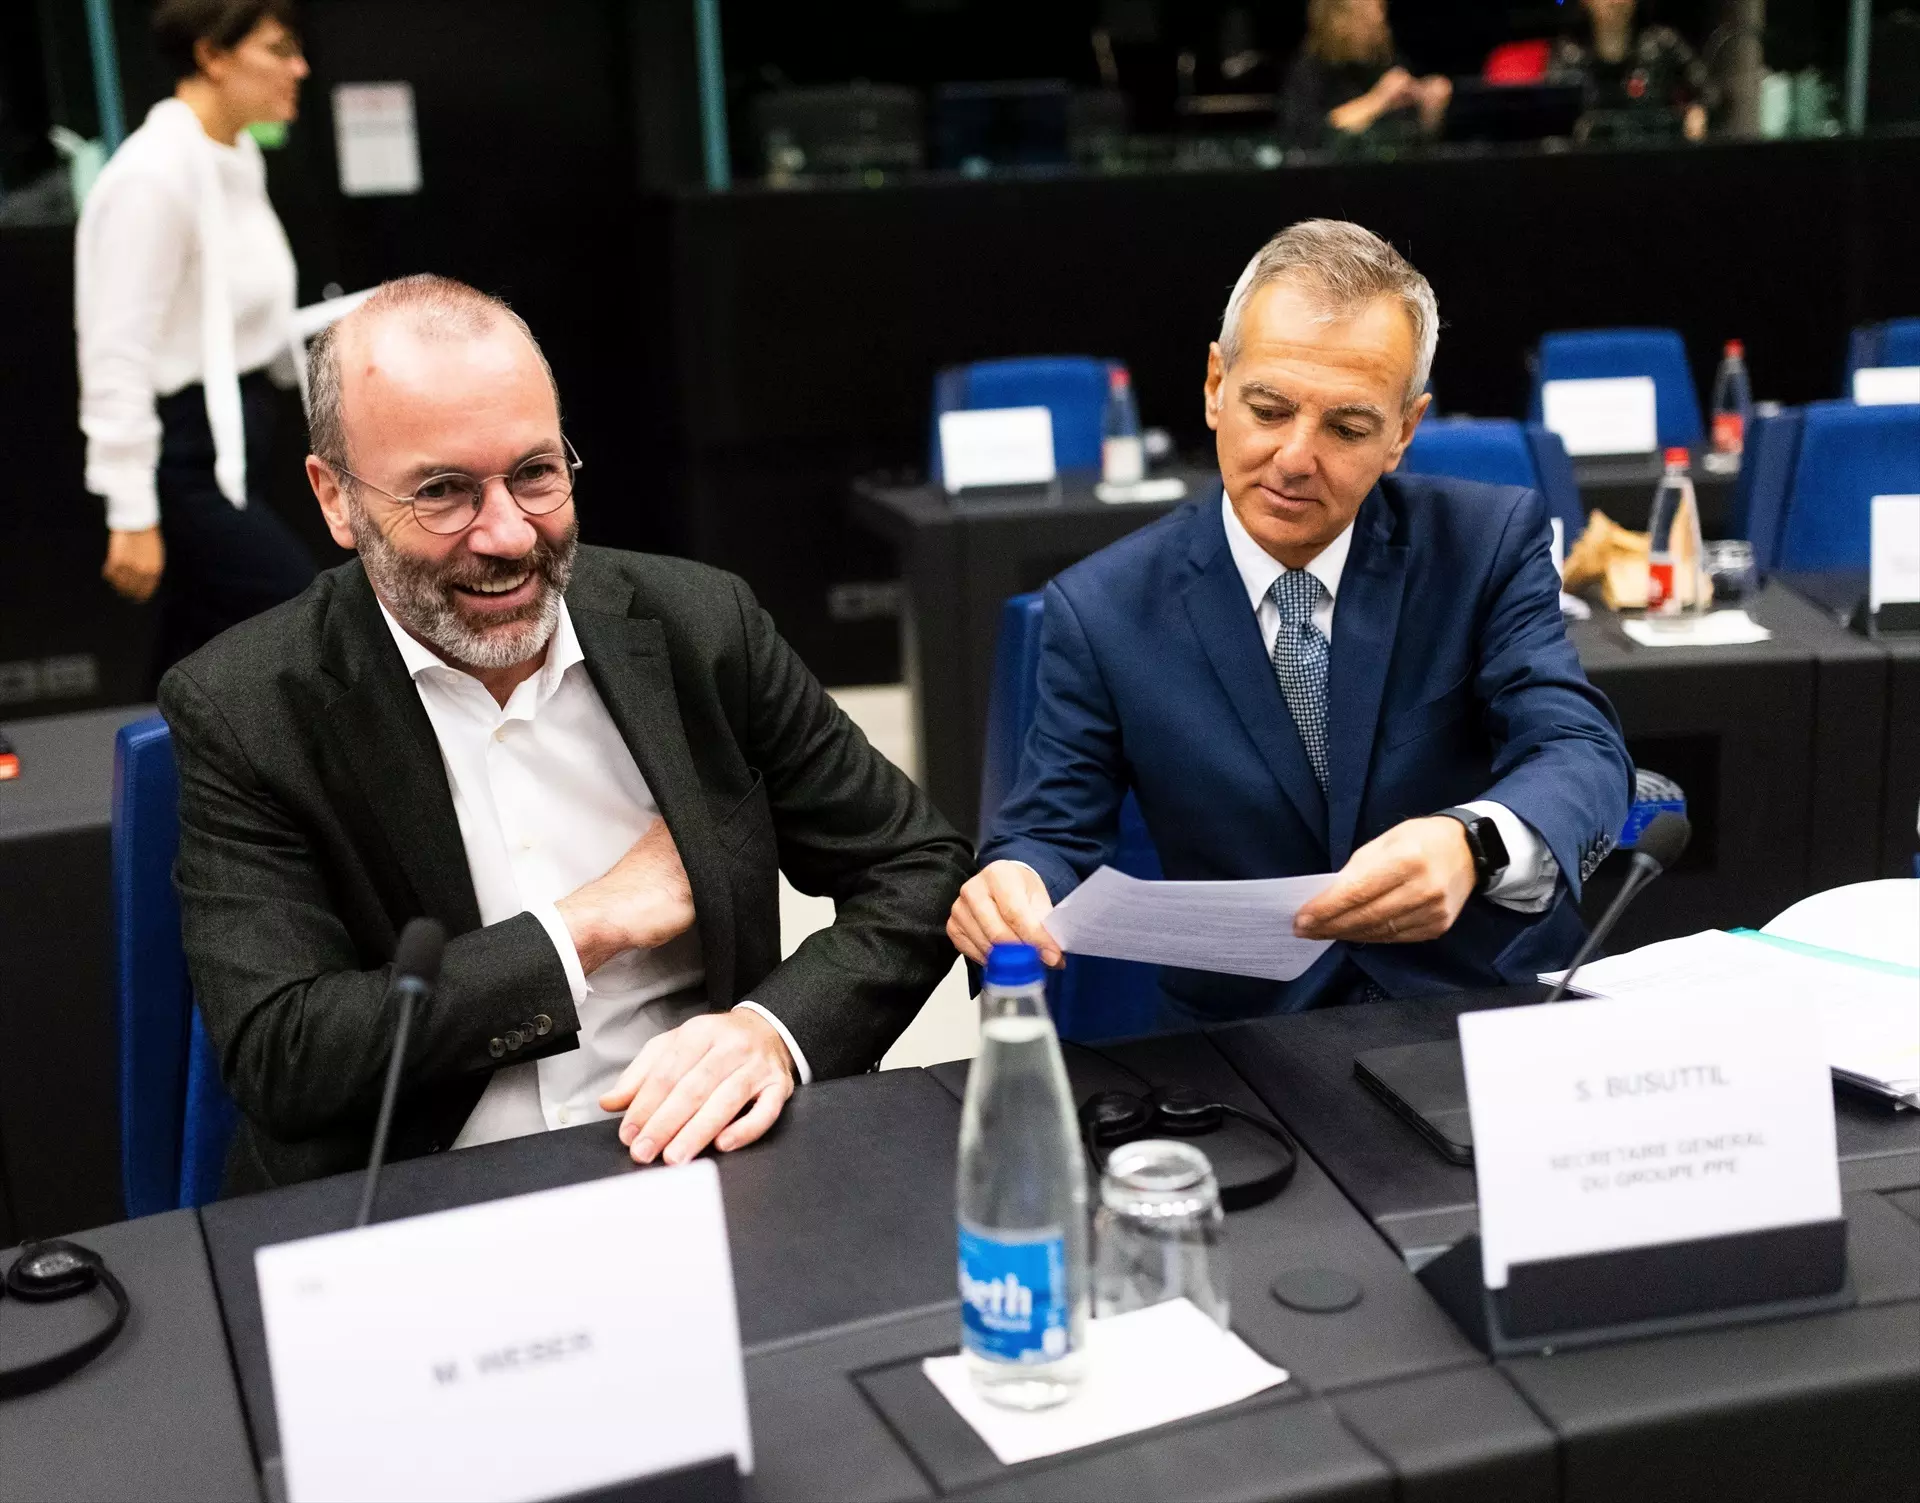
x: 1728, y: 432
x: 1659, y: 583
x: 1014, y: 1303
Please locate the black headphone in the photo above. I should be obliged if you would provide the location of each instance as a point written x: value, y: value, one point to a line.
x: 49, y: 1271
x: 1110, y: 1118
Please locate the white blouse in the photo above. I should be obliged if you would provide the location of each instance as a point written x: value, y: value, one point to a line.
x: 182, y: 274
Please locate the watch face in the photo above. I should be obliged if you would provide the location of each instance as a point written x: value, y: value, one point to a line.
x: 1494, y: 848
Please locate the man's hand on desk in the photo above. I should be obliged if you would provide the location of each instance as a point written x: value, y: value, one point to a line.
x: 1399, y: 888
x: 684, y: 1089
x: 640, y: 904
x: 1005, y: 904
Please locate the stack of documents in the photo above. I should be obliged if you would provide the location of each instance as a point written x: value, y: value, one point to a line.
x: 1869, y: 1009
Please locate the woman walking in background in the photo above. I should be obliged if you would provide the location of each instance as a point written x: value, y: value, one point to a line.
x: 184, y: 296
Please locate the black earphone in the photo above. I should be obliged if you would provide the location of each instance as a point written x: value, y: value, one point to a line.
x: 1110, y: 1118
x: 49, y: 1271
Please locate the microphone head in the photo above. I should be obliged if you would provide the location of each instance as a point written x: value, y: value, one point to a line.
x: 1664, y: 839
x: 417, y: 955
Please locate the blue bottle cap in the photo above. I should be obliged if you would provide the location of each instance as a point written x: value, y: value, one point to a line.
x: 1014, y: 965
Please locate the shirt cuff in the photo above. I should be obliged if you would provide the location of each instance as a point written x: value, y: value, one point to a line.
x: 556, y: 928
x: 133, y: 501
x: 800, y: 1066
x: 1532, y: 875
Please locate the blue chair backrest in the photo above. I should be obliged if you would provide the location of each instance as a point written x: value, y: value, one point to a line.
x: 1760, y: 493
x: 1592, y: 354
x: 1093, y: 998
x: 175, y: 1115
x: 1847, y: 456
x: 1500, y: 451
x: 1895, y: 342
x: 1071, y: 387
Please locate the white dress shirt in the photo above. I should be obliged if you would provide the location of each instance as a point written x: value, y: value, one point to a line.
x: 182, y: 273
x: 1527, y: 885
x: 548, y: 798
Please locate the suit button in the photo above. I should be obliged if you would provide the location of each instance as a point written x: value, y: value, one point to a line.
x: 515, y: 1038
x: 496, y: 1047
x: 542, y: 1024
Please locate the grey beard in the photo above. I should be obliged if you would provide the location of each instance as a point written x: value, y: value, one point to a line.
x: 421, y: 597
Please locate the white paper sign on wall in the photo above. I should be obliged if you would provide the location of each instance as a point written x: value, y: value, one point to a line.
x: 1886, y: 385
x: 1602, y: 415
x: 1894, y: 575
x: 527, y: 1348
x: 996, y: 446
x: 1605, y: 1125
x: 375, y: 139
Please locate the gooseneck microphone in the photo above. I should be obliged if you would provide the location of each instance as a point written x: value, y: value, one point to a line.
x: 416, y: 967
x: 1659, y: 846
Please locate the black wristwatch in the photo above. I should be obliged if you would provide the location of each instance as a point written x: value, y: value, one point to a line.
x: 1483, y: 839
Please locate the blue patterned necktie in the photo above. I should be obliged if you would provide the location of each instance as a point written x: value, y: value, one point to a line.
x: 1300, y: 663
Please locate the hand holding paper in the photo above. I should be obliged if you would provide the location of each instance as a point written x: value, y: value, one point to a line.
x: 1406, y: 885
x: 1005, y: 904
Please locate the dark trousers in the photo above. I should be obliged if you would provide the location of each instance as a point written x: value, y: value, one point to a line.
x: 223, y: 564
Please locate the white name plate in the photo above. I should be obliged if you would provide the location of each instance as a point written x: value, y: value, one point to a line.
x: 996, y: 446
x: 1886, y: 385
x: 1894, y: 575
x: 1605, y: 1125
x: 1609, y: 415
x: 526, y: 1348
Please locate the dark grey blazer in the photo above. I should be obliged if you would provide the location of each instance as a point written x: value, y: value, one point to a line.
x: 315, y: 820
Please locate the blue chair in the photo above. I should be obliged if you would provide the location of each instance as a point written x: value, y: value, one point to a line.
x: 1071, y: 387
x: 1593, y: 354
x: 1895, y: 342
x: 1093, y: 998
x: 176, y: 1118
x: 1500, y: 451
x: 1809, y: 476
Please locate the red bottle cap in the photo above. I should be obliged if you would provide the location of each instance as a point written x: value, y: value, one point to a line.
x: 1117, y: 377
x: 1736, y: 349
x: 1678, y: 456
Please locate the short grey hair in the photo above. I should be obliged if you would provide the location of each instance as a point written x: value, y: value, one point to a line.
x: 1343, y: 267
x: 438, y: 308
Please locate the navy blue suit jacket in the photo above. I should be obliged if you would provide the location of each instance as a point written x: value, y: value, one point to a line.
x: 1451, y: 679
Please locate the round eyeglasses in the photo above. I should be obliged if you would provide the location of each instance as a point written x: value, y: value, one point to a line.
x: 448, y: 503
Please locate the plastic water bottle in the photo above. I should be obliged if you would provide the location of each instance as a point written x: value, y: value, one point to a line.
x: 1673, y: 541
x: 1123, y: 456
x: 1022, y: 1198
x: 1732, y: 400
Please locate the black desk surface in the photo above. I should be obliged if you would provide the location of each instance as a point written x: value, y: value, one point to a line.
x: 156, y: 1415
x: 1387, y: 1400
x: 843, y: 1213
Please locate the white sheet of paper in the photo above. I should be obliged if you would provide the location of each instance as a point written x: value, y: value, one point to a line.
x: 1730, y: 628
x: 1605, y: 1125
x: 1602, y: 415
x: 375, y: 140
x: 310, y: 320
x: 1869, y: 1016
x: 996, y: 446
x: 598, y: 1318
x: 1144, y: 1368
x: 1886, y: 385
x: 1894, y: 575
x: 1155, y: 488
x: 1236, y: 928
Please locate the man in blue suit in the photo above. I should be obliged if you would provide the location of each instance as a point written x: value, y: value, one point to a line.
x: 1327, y: 668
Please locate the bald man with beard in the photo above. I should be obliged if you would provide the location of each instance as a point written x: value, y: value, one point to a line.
x: 590, y: 766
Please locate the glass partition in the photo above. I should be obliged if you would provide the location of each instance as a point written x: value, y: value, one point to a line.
x: 890, y: 90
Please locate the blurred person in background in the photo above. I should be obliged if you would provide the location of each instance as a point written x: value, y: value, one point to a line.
x: 184, y: 296
x: 1348, y: 81
x: 1640, y: 81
